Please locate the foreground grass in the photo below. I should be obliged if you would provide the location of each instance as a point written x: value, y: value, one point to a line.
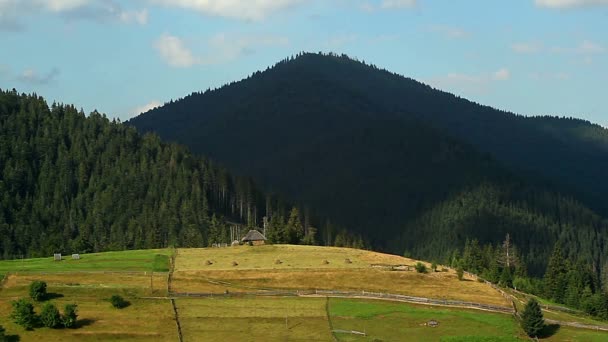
x: 387, y: 321
x: 254, y: 319
x: 140, y: 260
x: 142, y: 320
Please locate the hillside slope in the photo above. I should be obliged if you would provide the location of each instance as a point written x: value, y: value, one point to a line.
x: 71, y: 183
x: 376, y: 151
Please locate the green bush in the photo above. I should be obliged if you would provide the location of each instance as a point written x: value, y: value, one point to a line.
x: 460, y: 273
x: 420, y: 267
x: 118, y: 302
x: 23, y: 313
x: 70, y: 314
x: 38, y: 290
x: 49, y: 316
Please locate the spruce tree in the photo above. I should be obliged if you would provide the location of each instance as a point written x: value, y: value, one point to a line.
x: 555, y: 276
x: 23, y: 313
x: 49, y: 316
x: 532, y: 318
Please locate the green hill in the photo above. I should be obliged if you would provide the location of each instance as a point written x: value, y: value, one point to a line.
x: 386, y: 156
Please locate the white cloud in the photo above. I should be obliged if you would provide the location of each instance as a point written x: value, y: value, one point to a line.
x: 566, y: 4
x: 173, y: 51
x: 397, y: 4
x: 236, y: 9
x: 469, y: 83
x: 219, y: 48
x: 148, y: 106
x: 139, y: 17
x: 31, y: 76
x: 557, y: 76
x: 13, y: 11
x: 527, y: 48
x: 450, y: 32
x: 501, y: 75
x: 589, y: 47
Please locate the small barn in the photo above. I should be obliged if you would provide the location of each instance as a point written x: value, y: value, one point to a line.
x: 256, y: 238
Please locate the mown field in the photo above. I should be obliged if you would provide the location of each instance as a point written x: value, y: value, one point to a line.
x: 305, y: 268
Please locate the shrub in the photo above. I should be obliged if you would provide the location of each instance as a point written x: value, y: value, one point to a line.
x: 38, y: 290
x: 532, y: 318
x: 70, y: 314
x: 118, y: 302
x: 460, y: 273
x: 420, y: 267
x: 434, y: 267
x: 23, y: 313
x: 49, y: 316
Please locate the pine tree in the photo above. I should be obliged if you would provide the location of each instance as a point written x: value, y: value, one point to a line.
x: 532, y: 318
x: 49, y: 316
x: 555, y: 276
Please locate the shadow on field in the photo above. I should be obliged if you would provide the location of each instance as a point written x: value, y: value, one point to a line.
x: 83, y: 323
x: 52, y: 295
x: 12, y: 338
x: 549, y: 330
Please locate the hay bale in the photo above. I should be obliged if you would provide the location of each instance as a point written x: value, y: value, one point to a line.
x: 325, y: 262
x: 234, y: 263
x: 208, y: 262
x: 278, y: 262
x: 348, y: 261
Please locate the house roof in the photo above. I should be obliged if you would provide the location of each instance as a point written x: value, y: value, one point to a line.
x: 253, y: 235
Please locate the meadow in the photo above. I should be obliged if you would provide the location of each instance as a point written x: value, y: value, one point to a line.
x: 312, y: 267
x: 138, y: 276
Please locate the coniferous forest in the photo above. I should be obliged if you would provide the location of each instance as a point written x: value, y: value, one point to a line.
x: 76, y: 183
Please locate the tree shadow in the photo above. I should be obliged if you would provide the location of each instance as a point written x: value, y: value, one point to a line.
x: 52, y: 295
x: 12, y: 338
x: 83, y: 323
x: 549, y: 330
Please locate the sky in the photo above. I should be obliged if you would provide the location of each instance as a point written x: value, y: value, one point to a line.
x: 532, y: 57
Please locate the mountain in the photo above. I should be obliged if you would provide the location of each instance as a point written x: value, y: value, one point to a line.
x: 393, y: 158
x: 72, y: 183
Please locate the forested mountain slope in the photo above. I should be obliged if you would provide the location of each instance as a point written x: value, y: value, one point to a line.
x: 381, y: 154
x: 75, y: 183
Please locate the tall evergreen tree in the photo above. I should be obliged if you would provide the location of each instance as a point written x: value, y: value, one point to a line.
x: 532, y: 320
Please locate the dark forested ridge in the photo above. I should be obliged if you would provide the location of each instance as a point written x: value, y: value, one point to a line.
x: 72, y: 183
x: 408, y: 166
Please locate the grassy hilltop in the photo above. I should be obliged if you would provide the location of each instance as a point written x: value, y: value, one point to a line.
x: 141, y: 277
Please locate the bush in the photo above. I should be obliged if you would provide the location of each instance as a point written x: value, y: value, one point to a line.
x: 420, y: 267
x: 532, y: 318
x: 2, y: 336
x: 38, y: 290
x: 460, y: 273
x: 23, y: 313
x: 434, y: 267
x: 118, y: 302
x: 70, y: 314
x: 49, y: 316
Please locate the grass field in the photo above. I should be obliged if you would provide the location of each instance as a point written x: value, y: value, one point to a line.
x: 142, y: 320
x: 140, y: 260
x: 383, y: 321
x: 254, y: 319
x: 303, y: 267
x: 149, y: 317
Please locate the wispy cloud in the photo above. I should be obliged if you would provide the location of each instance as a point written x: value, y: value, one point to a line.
x: 236, y: 9
x: 174, y: 52
x: 450, y: 32
x: 12, y: 12
x: 470, y: 83
x: 568, y: 4
x: 219, y: 48
x: 527, y: 47
x: 31, y: 76
x: 556, y: 76
x: 144, y: 108
x: 369, y: 6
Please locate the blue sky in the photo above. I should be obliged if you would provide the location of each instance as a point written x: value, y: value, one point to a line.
x: 532, y: 57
